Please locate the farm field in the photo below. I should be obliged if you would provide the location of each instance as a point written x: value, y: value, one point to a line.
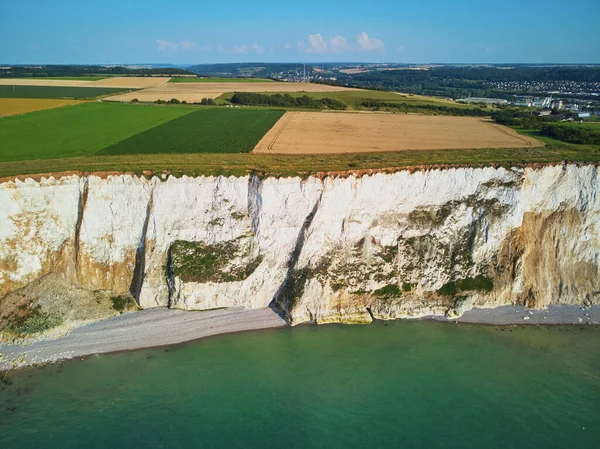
x: 79, y: 92
x: 130, y: 82
x: 70, y: 78
x: 205, y: 130
x: 330, y: 133
x: 50, y: 82
x: 195, y: 92
x: 14, y: 106
x: 125, y: 82
x: 78, y: 130
x: 350, y: 97
x: 219, y: 80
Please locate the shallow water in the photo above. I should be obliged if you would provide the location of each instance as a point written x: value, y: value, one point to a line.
x: 394, y: 384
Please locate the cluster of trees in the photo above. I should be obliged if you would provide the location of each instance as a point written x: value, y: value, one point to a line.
x: 84, y: 70
x: 429, y: 108
x: 286, y: 100
x: 525, y: 119
x: 203, y: 102
x: 573, y: 133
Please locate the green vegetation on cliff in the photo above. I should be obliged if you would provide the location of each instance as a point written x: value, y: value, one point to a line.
x: 478, y: 283
x: 222, y: 262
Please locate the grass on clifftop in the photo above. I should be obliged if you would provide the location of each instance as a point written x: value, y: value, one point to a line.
x: 303, y: 165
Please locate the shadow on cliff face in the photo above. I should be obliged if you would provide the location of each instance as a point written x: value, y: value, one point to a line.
x: 140, y: 258
x: 293, y: 285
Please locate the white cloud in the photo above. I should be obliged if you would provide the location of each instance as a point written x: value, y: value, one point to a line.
x: 316, y: 44
x: 400, y: 49
x: 319, y: 45
x: 258, y: 49
x: 187, y: 45
x: 366, y: 43
x: 165, y: 45
x: 338, y: 44
x: 244, y: 49
x: 287, y: 46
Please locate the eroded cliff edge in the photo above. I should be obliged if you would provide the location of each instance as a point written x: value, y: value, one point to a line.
x: 338, y: 249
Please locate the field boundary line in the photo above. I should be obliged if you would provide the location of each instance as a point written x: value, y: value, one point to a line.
x: 280, y: 131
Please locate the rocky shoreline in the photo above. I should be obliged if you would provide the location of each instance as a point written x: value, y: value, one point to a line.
x: 164, y: 327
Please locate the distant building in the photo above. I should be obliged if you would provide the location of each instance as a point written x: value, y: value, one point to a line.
x: 583, y: 115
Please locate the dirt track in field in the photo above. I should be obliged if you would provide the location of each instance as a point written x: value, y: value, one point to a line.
x: 336, y: 133
x: 14, y: 106
x: 194, y: 92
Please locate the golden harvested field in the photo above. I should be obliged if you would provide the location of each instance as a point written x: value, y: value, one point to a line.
x: 14, y: 106
x: 336, y: 133
x: 193, y: 92
x: 132, y: 82
x: 43, y: 82
x: 114, y: 81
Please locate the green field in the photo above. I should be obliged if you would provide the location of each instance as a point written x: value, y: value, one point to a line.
x: 351, y: 97
x: 206, y: 130
x: 57, y: 92
x: 219, y: 80
x: 207, y: 141
x: 78, y: 130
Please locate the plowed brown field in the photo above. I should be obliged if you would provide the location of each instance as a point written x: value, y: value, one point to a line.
x: 335, y: 133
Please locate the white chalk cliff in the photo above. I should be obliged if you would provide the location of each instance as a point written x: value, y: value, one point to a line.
x: 344, y: 249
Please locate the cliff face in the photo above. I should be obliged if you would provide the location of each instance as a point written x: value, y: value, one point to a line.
x: 338, y: 249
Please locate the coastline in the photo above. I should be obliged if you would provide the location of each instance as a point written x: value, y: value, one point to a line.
x: 138, y: 330
x: 165, y: 327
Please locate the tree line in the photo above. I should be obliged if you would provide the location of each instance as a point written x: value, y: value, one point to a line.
x: 285, y: 100
x: 375, y: 105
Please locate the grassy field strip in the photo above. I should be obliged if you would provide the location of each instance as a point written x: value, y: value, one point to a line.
x: 76, y: 92
x: 14, y: 106
x: 243, y: 163
x: 351, y: 97
x: 207, y: 130
x: 219, y: 80
x: 79, y: 130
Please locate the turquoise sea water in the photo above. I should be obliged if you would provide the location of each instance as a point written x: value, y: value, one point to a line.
x: 396, y: 384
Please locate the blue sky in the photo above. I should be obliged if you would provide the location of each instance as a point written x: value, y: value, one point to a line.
x: 180, y: 32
